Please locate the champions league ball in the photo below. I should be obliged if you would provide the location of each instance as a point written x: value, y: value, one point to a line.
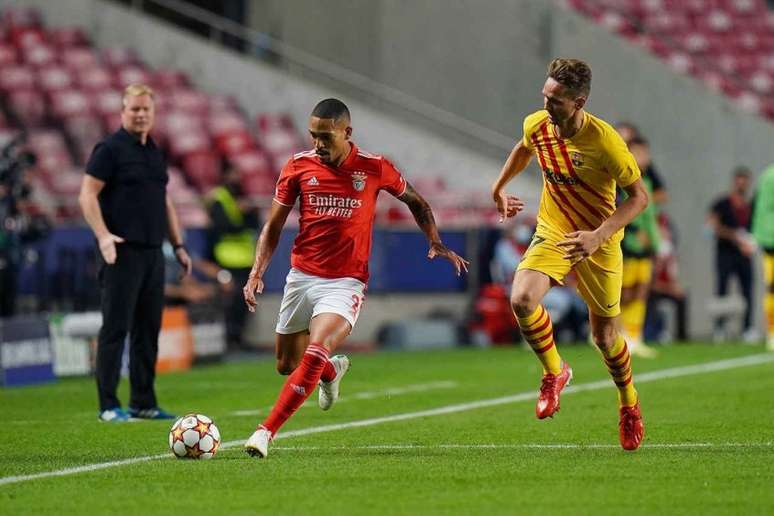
x: 194, y: 437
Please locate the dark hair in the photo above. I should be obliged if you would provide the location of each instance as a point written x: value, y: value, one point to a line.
x: 742, y: 171
x: 573, y: 74
x: 331, y: 108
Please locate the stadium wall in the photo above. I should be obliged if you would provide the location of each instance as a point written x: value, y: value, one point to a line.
x: 486, y: 61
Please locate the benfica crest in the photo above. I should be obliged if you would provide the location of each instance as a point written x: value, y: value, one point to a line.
x: 577, y: 159
x: 359, y: 181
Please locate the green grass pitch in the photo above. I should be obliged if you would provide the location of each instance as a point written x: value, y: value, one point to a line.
x: 709, y: 441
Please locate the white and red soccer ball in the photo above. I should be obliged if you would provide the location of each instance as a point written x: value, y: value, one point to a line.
x: 194, y: 436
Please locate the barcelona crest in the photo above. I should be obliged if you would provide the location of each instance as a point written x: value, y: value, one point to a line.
x: 576, y: 158
x: 359, y: 181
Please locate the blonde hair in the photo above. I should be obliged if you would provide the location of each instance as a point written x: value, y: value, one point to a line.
x: 136, y: 90
x: 573, y: 74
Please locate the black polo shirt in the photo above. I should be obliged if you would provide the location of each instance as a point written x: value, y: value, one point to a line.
x: 734, y: 217
x: 133, y: 201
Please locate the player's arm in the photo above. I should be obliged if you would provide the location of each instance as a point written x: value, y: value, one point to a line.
x: 90, y: 189
x: 264, y: 249
x: 423, y: 215
x: 582, y: 244
x: 510, y: 205
x: 176, y: 237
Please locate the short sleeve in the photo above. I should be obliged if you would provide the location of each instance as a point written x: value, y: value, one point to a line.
x: 619, y: 162
x: 287, y: 189
x: 525, y: 140
x: 392, y: 180
x: 100, y: 164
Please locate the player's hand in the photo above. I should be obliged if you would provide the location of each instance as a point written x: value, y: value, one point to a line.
x: 507, y: 205
x: 107, y: 247
x: 182, y: 257
x: 438, y: 249
x: 579, y: 245
x: 254, y: 284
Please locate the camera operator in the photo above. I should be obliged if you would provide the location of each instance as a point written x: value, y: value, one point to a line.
x: 20, y: 222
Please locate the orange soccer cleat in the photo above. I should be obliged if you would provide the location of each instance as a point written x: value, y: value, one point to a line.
x: 630, y: 427
x: 551, y: 387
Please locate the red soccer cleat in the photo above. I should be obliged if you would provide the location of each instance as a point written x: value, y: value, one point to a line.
x: 548, y: 401
x: 630, y: 427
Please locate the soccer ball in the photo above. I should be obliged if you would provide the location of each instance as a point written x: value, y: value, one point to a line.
x: 194, y: 436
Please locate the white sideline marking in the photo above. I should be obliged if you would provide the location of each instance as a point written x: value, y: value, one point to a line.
x: 682, y: 371
x: 558, y: 446
x: 367, y: 395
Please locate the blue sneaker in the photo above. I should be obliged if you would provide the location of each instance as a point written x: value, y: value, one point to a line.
x: 114, y: 415
x: 150, y: 413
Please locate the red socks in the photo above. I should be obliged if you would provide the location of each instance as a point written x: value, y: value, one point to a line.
x: 329, y: 372
x: 299, y: 385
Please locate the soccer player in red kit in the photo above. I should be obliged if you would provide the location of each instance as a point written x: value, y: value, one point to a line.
x: 337, y: 185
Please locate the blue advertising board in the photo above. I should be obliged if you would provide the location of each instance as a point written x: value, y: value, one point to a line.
x: 25, y: 351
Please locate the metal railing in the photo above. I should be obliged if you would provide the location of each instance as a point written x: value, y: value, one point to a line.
x: 219, y: 26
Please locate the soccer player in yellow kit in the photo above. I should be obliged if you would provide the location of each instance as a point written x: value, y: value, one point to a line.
x: 579, y: 228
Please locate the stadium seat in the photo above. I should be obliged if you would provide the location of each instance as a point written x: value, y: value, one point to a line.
x: 79, y: 58
x: 28, y: 106
x: 54, y: 78
x: 202, y: 168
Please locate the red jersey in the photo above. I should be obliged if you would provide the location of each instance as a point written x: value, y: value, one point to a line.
x: 337, y: 207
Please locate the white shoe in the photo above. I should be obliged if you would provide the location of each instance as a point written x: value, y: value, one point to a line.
x: 751, y: 336
x: 258, y: 443
x: 642, y: 350
x: 329, y: 391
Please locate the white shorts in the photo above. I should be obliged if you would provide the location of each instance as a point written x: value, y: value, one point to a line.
x: 307, y: 296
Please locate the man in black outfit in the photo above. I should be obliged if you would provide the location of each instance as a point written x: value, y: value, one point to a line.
x: 729, y: 218
x: 125, y: 202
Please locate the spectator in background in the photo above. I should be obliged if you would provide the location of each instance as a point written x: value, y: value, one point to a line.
x: 630, y: 132
x: 640, y: 243
x: 666, y: 287
x: 729, y: 218
x: 234, y: 225
x: 566, y: 308
x: 763, y: 231
x: 125, y: 202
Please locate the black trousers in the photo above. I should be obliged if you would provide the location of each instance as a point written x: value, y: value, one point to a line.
x: 727, y: 266
x: 132, y: 301
x: 235, y: 309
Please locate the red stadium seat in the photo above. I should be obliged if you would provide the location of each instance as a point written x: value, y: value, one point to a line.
x: 262, y: 184
x: 234, y: 143
x: 189, y: 101
x: 130, y: 74
x: 107, y: 102
x: 16, y: 16
x: 68, y: 103
x: 117, y: 57
x: 187, y: 142
x: 252, y: 162
x: 169, y: 79
x: 63, y: 37
x: 8, y: 55
x: 28, y: 106
x: 203, y: 169
x: 17, y: 78
x: 226, y: 122
x: 55, y: 78
x: 95, y: 79
x: 39, y: 55
x: 79, y: 58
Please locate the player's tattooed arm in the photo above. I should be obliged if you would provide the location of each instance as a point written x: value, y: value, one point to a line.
x: 423, y: 215
x: 421, y: 211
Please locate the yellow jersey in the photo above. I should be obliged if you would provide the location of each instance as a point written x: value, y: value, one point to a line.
x: 580, y: 174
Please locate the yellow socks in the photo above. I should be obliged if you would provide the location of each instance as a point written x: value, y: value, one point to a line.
x: 539, y: 333
x: 633, y: 319
x: 619, y: 364
x: 769, y: 305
